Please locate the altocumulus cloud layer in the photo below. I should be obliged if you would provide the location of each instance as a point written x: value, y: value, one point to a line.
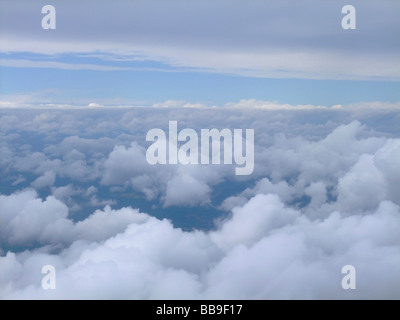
x: 324, y: 194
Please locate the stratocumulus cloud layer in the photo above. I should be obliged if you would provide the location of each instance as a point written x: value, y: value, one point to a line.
x: 324, y: 194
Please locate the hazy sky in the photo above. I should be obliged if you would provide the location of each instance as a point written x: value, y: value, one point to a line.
x: 132, y: 52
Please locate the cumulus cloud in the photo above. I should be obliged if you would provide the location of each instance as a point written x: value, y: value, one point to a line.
x: 324, y: 194
x: 178, y: 185
x: 370, y: 181
x: 27, y: 219
x: 265, y: 250
x: 46, y: 180
x: 186, y: 188
x: 123, y: 162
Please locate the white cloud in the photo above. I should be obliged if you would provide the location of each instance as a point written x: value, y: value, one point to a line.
x: 104, y: 224
x: 372, y: 179
x: 123, y: 163
x: 324, y: 194
x: 23, y: 63
x: 178, y: 185
x: 27, y: 219
x: 361, y: 191
x: 186, y: 189
x: 94, y: 105
x: 253, y: 221
x: 264, y: 250
x: 46, y: 180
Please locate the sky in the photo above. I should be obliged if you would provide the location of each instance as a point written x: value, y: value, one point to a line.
x: 77, y: 191
x: 139, y: 53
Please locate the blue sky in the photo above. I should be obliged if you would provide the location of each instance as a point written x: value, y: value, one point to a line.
x: 96, y: 86
x: 137, y: 53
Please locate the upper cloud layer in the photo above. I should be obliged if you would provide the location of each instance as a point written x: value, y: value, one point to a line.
x: 284, y: 39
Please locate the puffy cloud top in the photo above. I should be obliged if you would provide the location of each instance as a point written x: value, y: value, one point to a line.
x: 324, y: 194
